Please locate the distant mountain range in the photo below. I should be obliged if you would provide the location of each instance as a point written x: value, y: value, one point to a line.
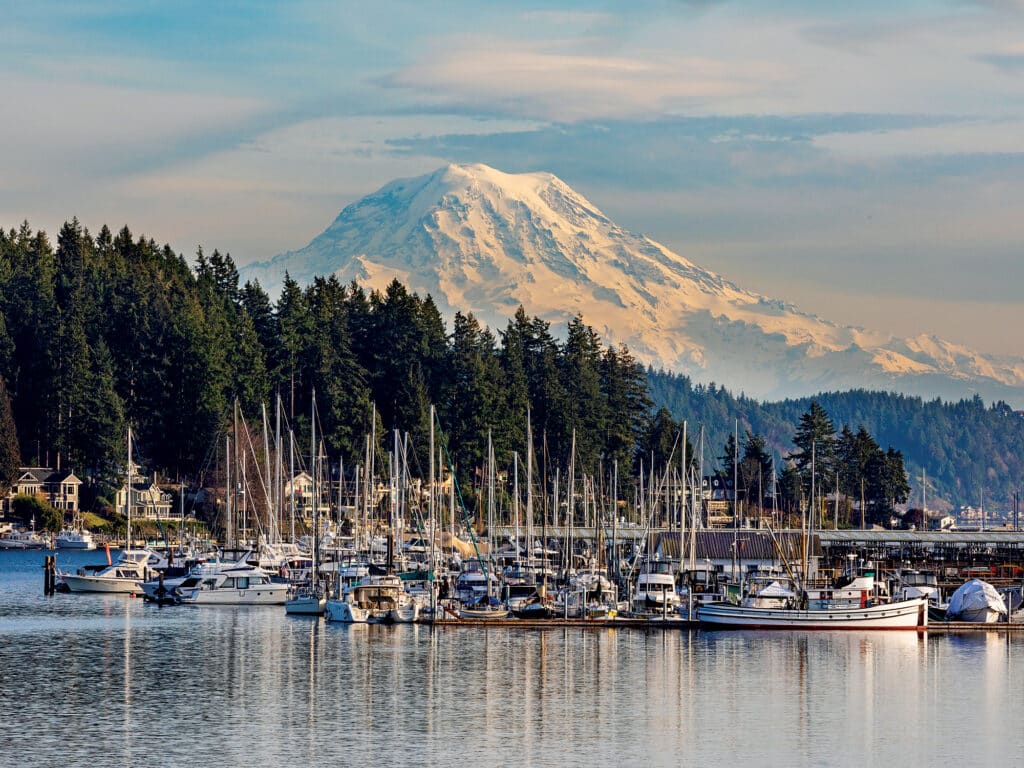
x: 482, y: 241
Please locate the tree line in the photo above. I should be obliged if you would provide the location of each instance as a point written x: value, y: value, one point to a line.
x: 99, y: 331
x: 106, y: 330
x: 968, y: 451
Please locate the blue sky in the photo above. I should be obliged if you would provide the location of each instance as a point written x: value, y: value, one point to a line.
x: 864, y: 162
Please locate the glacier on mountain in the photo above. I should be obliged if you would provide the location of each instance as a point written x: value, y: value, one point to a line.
x: 483, y: 241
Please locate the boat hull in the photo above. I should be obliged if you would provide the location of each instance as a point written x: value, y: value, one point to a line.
x: 306, y: 606
x: 84, y: 545
x: 980, y: 616
x: 109, y: 584
x: 346, y: 613
x: 404, y: 614
x: 474, y: 614
x: 273, y: 594
x: 20, y: 544
x: 908, y: 614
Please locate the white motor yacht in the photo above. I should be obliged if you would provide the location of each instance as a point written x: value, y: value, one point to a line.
x: 25, y: 539
x: 151, y: 589
x: 656, y: 589
x: 124, y: 576
x: 238, y: 585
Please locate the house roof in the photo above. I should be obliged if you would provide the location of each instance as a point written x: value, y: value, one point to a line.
x: 33, y: 474
x: 753, y: 545
x: 46, y: 475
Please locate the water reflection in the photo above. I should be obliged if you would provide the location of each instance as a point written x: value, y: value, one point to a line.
x: 102, y: 680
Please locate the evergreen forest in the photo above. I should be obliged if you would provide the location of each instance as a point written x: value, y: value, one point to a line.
x: 99, y: 332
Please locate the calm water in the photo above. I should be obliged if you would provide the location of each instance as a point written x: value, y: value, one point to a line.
x: 95, y: 680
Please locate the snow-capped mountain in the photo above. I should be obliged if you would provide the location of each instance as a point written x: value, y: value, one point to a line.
x: 482, y: 241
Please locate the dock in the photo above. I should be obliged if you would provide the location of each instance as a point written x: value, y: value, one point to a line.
x: 614, y: 623
x: 935, y: 627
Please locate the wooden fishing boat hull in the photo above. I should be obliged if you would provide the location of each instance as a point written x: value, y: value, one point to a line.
x: 908, y: 614
x: 482, y: 613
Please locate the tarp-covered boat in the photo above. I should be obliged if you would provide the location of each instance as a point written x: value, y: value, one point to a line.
x: 977, y: 601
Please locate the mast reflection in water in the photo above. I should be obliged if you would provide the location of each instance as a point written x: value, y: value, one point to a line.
x: 103, y: 680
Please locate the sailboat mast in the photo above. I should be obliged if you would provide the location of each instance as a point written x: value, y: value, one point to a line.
x: 278, y: 495
x: 432, y: 490
x: 312, y: 459
x: 229, y: 526
x: 529, y: 489
x: 515, y: 501
x: 570, y: 509
x: 615, y: 517
x: 272, y: 529
x: 128, y: 495
x: 682, y: 512
x: 291, y: 483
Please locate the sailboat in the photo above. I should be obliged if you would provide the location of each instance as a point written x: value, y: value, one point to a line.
x: 309, y: 598
x: 130, y: 570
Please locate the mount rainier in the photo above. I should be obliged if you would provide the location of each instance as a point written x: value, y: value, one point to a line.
x: 482, y: 241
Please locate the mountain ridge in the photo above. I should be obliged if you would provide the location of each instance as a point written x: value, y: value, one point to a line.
x: 483, y: 241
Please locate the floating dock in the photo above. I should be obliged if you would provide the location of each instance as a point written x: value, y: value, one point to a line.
x: 935, y: 627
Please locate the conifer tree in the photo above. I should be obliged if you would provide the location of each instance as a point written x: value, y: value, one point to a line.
x: 585, y: 408
x: 815, y: 441
x: 10, y: 455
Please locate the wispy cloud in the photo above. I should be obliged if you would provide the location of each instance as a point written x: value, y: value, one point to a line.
x: 557, y: 81
x: 1010, y: 62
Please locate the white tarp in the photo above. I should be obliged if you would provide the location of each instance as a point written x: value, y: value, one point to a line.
x: 775, y: 589
x: 976, y: 600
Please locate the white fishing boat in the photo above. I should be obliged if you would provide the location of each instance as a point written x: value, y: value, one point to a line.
x: 239, y: 585
x: 124, y: 576
x: 907, y: 614
x: 976, y: 601
x: 71, y: 538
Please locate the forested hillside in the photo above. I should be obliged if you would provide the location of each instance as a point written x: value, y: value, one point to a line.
x: 101, y: 331
x: 963, y: 447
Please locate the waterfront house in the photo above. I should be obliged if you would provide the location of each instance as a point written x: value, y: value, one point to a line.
x: 59, y: 487
x: 301, y: 486
x: 148, y: 500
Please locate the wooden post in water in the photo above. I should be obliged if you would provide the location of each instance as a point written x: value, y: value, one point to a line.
x: 50, y: 575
